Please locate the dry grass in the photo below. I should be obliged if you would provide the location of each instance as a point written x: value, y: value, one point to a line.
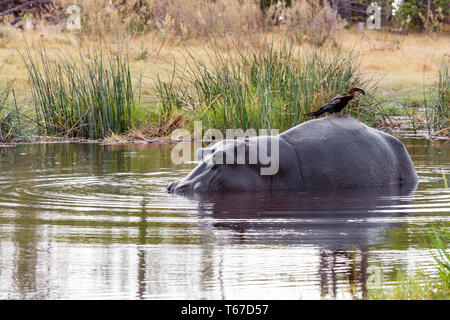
x: 402, y: 63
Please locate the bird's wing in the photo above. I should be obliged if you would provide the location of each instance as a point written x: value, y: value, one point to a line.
x: 330, y: 104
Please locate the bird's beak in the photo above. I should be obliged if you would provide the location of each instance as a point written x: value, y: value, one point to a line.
x: 353, y: 90
x: 361, y: 91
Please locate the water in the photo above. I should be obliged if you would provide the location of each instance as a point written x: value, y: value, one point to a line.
x: 94, y: 221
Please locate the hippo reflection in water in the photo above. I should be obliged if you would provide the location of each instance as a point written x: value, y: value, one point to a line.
x: 335, y: 152
x: 338, y: 226
x: 331, y: 219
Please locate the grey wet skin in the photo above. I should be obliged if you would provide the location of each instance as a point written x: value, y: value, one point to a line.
x: 326, y: 153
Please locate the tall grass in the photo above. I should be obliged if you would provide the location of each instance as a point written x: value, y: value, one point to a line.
x: 88, y: 96
x: 268, y: 88
x: 439, y: 241
x: 6, y: 116
x: 434, y: 117
x: 441, y: 113
x: 12, y: 122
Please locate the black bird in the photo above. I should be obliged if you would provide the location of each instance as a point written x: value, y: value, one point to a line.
x: 336, y: 104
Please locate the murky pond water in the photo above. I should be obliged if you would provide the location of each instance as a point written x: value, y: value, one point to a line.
x: 95, y: 221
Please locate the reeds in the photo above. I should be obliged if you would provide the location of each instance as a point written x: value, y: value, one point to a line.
x: 6, y: 116
x: 439, y: 240
x: 88, y: 96
x: 13, y: 126
x: 434, y: 117
x: 441, y: 113
x: 272, y: 87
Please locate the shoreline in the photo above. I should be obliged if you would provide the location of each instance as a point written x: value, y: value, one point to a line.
x: 401, y: 134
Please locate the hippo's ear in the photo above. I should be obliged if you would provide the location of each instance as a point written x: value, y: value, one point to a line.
x: 202, y: 153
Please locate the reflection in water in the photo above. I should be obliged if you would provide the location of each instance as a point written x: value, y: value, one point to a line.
x: 95, y: 221
x: 341, y: 261
x: 142, y: 256
x: 336, y: 221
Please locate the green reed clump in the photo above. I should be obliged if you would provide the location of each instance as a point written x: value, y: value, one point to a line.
x: 439, y: 240
x: 441, y: 114
x: 6, y: 114
x: 436, y: 102
x: 171, y: 96
x: 269, y: 88
x: 12, y: 121
x: 88, y: 96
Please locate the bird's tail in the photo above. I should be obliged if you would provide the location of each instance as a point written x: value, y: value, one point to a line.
x: 315, y: 113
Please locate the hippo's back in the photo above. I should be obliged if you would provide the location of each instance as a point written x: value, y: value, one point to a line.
x: 340, y: 151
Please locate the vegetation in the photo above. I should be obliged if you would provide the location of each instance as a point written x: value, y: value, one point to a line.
x: 12, y: 121
x: 95, y: 94
x: 420, y: 15
x: 92, y: 97
x: 442, y: 114
x: 435, y: 101
x: 419, y: 286
x: 272, y: 87
x: 437, y: 110
x: 271, y: 62
x: 6, y: 116
x: 310, y: 20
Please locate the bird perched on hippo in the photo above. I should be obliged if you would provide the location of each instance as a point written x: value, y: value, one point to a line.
x: 336, y: 104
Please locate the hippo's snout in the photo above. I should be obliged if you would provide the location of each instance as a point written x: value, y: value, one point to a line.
x: 178, y: 187
x: 186, y: 187
x: 171, y: 187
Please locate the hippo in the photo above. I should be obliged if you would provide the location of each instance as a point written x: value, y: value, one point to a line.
x: 335, y: 152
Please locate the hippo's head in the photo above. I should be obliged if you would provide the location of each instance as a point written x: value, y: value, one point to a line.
x: 216, y: 173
